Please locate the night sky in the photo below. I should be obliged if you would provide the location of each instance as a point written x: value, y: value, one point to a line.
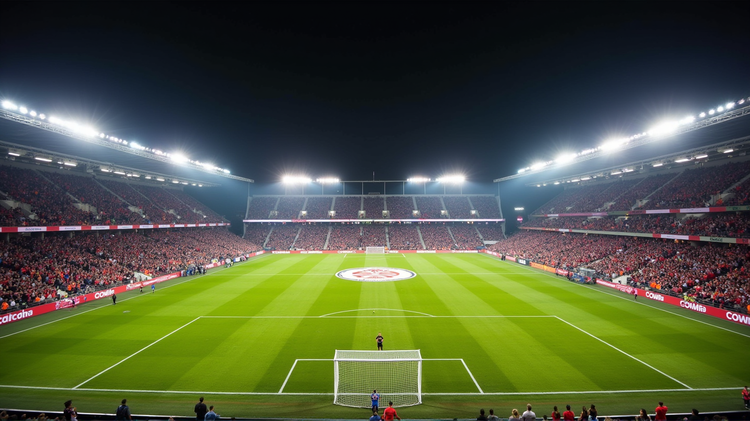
x: 345, y: 89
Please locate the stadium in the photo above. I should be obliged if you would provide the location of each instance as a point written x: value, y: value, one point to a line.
x: 614, y: 274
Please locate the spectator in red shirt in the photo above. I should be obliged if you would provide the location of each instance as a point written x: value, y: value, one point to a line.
x: 568, y: 415
x: 746, y: 395
x: 661, y: 412
x: 390, y: 413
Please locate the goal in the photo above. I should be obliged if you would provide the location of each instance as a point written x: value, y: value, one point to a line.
x: 396, y: 375
x: 375, y: 250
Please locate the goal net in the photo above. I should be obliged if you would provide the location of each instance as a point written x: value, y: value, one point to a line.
x: 375, y: 250
x: 396, y: 375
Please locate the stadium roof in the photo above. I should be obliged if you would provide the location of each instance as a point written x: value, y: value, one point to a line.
x: 17, y: 131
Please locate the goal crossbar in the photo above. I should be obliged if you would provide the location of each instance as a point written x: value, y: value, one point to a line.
x: 396, y: 375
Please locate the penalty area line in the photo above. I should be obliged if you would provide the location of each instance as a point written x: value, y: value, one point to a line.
x: 623, y: 352
x: 136, y: 353
x: 281, y: 390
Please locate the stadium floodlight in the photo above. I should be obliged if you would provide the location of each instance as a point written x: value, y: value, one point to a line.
x: 519, y: 208
x: 613, y: 144
x: 566, y: 158
x: 523, y: 170
x: 43, y: 159
x: 23, y: 110
x: 575, y: 180
x: 178, y: 158
x: 327, y: 180
x: 418, y: 179
x: 729, y: 105
x: 226, y: 171
x: 616, y: 172
x: 200, y: 185
x: 727, y: 150
x: 9, y: 105
x: 701, y: 156
x: 720, y: 108
x: 664, y: 128
x: 176, y: 181
x: 70, y: 163
x: 711, y: 112
x: 160, y: 179
x: 657, y: 164
x: 454, y: 179
x: 119, y: 172
x: 538, y: 165
x: 32, y: 113
x: 42, y: 116
x: 701, y: 115
x: 556, y: 183
x: 585, y: 178
x: 680, y: 160
x: 295, y: 179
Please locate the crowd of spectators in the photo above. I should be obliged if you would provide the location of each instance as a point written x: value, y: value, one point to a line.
x: 486, y: 206
x: 318, y: 207
x: 35, y: 270
x: 400, y: 207
x: 49, y: 204
x: 261, y: 207
x: 741, y: 195
x: 564, y: 202
x: 373, y: 207
x: 289, y: 207
x: 641, y: 190
x: 436, y: 236
x: 184, y: 214
x: 152, y: 212
x: 257, y: 233
x: 726, y: 224
x: 611, y: 192
x: 190, y: 201
x: 491, y: 232
x: 465, y: 236
x: 696, y: 187
x: 714, y: 273
x: 429, y: 207
x: 345, y: 237
x: 312, y: 237
x: 282, y: 237
x: 348, y: 207
x: 373, y: 235
x: 458, y: 207
x: 404, y: 237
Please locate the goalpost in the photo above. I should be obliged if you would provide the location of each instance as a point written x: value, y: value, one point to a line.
x: 375, y: 250
x: 396, y: 375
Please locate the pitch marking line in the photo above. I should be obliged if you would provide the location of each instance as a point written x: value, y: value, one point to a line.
x: 623, y: 352
x: 499, y: 316
x: 632, y: 301
x: 281, y: 390
x: 137, y: 352
x: 186, y: 392
x: 374, y: 309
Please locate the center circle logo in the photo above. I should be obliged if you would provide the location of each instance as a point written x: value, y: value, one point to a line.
x: 375, y: 274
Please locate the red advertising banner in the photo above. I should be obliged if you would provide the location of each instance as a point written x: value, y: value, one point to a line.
x: 108, y: 227
x: 732, y: 316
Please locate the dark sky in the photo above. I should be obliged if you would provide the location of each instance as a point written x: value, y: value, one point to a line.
x: 345, y: 89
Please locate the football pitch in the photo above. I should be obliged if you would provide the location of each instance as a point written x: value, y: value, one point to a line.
x: 258, y: 339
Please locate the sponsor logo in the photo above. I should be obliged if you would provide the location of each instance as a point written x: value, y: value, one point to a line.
x: 346, y: 251
x: 693, y: 306
x: 522, y: 261
x: 375, y: 274
x: 125, y: 227
x: 164, y: 226
x: 136, y: 285
x: 657, y: 297
x: 425, y: 251
x: 739, y: 318
x: 31, y: 229
x: 102, y: 294
x: 72, y: 228
x: 99, y: 227
x: 18, y: 315
x: 280, y: 252
x: 146, y: 226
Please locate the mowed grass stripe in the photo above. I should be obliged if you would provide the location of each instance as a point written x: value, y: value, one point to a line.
x: 664, y: 341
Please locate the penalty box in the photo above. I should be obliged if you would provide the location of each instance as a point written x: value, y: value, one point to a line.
x: 277, y: 354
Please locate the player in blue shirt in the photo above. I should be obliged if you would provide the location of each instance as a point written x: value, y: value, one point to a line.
x: 375, y: 398
x: 153, y: 288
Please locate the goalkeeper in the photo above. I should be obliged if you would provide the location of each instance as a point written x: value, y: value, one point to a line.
x: 375, y: 398
x: 379, y: 340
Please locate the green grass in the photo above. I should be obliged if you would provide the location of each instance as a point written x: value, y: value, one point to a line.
x: 526, y: 336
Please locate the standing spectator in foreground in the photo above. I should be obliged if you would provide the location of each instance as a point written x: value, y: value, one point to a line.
x: 481, y: 416
x: 528, y: 415
x: 200, y: 410
x: 123, y: 412
x: 568, y: 415
x: 584, y: 414
x: 746, y: 395
x: 114, y: 299
x: 375, y: 416
x: 390, y: 413
x: 643, y: 416
x: 514, y: 415
x: 492, y: 416
x: 555, y: 414
x: 70, y: 411
x: 593, y: 413
x: 695, y: 416
x: 661, y: 412
x: 211, y: 415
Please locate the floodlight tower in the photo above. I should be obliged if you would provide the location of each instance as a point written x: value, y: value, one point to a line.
x: 290, y: 180
x: 453, y: 179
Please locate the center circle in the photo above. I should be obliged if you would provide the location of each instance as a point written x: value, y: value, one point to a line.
x: 375, y: 274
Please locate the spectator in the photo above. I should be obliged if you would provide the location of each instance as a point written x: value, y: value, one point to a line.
x: 514, y: 415
x: 123, y: 412
x: 528, y: 415
x: 492, y: 416
x: 643, y: 416
x: 482, y: 416
x: 555, y: 414
x: 211, y: 415
x: 200, y: 410
x: 661, y: 412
